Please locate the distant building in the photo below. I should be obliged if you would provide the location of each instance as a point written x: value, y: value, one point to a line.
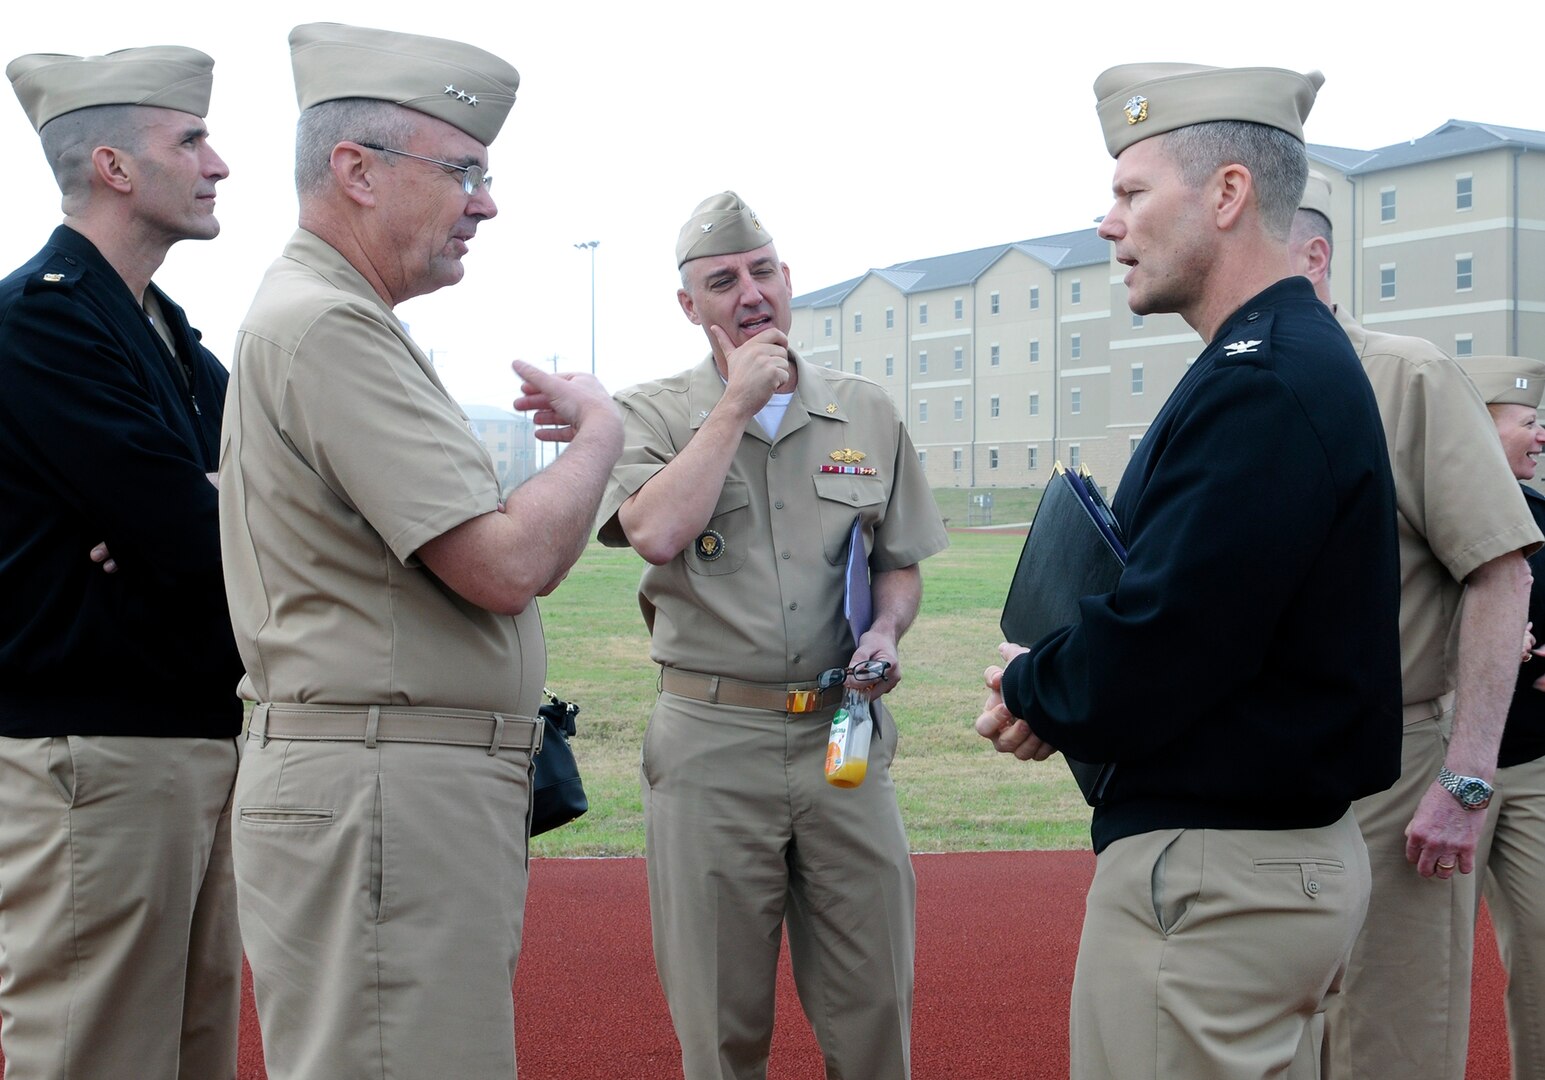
x: 1007, y: 358
x: 510, y: 442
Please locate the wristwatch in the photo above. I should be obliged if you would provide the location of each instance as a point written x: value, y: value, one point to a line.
x: 1472, y: 792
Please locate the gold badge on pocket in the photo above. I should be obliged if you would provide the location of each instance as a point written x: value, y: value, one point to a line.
x: 710, y: 545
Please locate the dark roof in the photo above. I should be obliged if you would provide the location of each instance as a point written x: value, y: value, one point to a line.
x: 1080, y: 248
x: 1452, y: 139
x: 1343, y: 158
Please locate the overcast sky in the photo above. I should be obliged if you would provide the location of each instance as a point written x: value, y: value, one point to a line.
x: 862, y: 133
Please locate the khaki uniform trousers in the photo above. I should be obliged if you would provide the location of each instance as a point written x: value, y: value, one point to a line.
x: 119, y: 954
x: 382, y: 892
x: 1511, y: 858
x: 1404, y: 1010
x: 1205, y: 952
x: 743, y: 835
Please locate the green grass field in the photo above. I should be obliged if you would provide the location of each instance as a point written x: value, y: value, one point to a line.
x: 956, y: 793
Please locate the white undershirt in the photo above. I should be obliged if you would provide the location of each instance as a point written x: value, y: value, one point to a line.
x: 772, y: 413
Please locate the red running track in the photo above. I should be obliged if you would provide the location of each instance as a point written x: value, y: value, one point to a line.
x: 997, y: 932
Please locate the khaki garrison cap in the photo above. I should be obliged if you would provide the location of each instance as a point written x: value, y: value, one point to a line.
x: 1137, y: 101
x: 1506, y: 380
x: 461, y: 84
x: 1316, y: 195
x: 163, y: 76
x: 721, y: 225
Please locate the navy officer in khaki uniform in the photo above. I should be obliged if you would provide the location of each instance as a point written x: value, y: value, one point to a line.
x: 383, y: 597
x: 1244, y: 675
x: 739, y: 483
x: 1464, y: 533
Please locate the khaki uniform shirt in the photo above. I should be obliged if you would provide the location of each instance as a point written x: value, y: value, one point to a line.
x: 1457, y: 503
x: 765, y: 604
x: 341, y: 455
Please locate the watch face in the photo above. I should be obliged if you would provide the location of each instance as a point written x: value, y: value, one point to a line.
x: 1474, y: 792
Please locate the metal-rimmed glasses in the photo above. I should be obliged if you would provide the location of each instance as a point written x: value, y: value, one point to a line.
x: 865, y: 671
x: 472, y: 176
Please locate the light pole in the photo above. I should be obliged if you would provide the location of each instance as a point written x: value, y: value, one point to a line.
x: 592, y: 245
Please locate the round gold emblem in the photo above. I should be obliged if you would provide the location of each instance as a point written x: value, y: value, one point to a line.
x: 710, y: 545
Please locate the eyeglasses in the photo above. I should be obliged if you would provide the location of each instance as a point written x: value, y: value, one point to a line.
x: 865, y: 671
x: 472, y: 176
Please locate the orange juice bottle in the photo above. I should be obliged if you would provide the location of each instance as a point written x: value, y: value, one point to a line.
x: 847, y: 750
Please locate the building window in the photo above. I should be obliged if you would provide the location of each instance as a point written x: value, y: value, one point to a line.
x: 922, y: 314
x: 1032, y: 458
x: 994, y: 356
x: 1387, y: 204
x: 1076, y: 292
x: 922, y: 362
x: 1076, y: 347
x: 992, y: 406
x: 1137, y: 321
x: 1075, y: 401
x: 1132, y: 441
x: 992, y: 457
x: 955, y: 459
x: 1137, y: 378
x: 992, y: 303
x: 922, y: 412
x: 922, y: 458
x: 828, y: 327
x: 960, y: 358
x: 1035, y: 404
x: 890, y: 318
x: 1464, y: 193
x: 1387, y: 282
x: 960, y: 308
x: 960, y: 408
x: 1073, y: 456
x: 858, y: 322
x: 1035, y: 350
x: 1464, y: 344
x: 1035, y: 297
x: 890, y: 366
x: 1464, y: 278
x: 858, y: 365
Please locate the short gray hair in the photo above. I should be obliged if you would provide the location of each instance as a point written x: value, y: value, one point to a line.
x: 1307, y: 224
x: 68, y: 141
x: 328, y: 123
x: 1277, y: 162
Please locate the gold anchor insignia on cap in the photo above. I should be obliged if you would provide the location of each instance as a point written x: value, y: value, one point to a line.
x: 831, y: 406
x: 848, y: 457
x: 1136, y: 109
x: 754, y: 221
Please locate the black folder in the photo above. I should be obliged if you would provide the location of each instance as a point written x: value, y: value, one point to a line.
x: 1074, y: 550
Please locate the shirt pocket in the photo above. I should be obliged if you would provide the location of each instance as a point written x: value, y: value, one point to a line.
x: 721, y: 547
x: 840, y: 498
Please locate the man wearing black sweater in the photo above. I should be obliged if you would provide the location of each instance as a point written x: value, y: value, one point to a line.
x: 1244, y: 675
x: 118, y: 716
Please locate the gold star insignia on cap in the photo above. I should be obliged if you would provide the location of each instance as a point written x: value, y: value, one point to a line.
x: 1136, y: 109
x: 848, y: 457
x: 472, y: 100
x: 831, y: 406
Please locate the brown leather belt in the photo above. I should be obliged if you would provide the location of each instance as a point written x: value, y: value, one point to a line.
x: 722, y: 690
x: 383, y: 723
